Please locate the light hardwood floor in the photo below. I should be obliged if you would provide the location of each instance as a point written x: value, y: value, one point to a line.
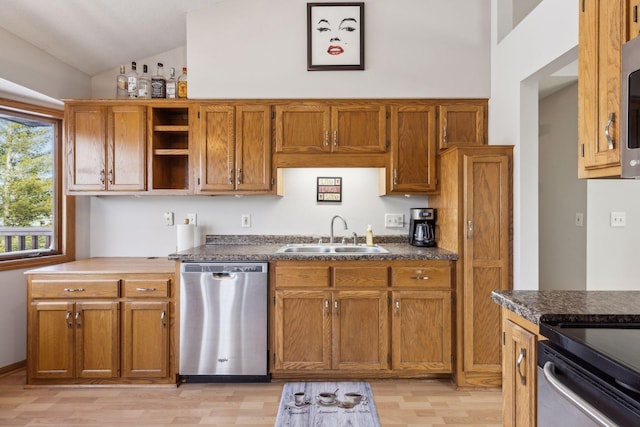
x: 408, y: 403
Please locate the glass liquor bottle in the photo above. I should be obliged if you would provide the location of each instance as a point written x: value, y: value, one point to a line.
x: 132, y: 81
x: 158, y: 83
x: 144, y: 84
x: 182, y: 83
x: 172, y: 84
x: 121, y: 84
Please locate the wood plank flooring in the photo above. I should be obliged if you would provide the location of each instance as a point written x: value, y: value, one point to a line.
x: 400, y: 403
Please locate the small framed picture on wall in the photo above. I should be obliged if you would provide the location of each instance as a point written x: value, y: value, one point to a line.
x: 329, y: 190
x: 335, y: 36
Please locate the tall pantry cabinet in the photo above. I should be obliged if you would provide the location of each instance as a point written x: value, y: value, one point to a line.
x: 475, y: 220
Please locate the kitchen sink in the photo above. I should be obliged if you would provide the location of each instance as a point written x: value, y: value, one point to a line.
x: 320, y: 249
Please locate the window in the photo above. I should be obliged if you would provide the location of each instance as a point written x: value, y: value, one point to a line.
x: 35, y: 216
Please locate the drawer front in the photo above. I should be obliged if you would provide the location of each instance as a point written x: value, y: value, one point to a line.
x: 87, y: 288
x: 345, y: 277
x: 422, y: 277
x: 146, y: 288
x: 302, y: 276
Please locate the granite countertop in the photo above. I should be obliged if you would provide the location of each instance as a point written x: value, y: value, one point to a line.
x: 264, y: 248
x: 572, y: 306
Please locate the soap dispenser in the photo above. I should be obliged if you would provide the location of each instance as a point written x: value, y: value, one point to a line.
x: 369, y: 235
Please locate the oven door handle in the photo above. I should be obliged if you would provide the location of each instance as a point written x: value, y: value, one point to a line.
x: 576, y: 400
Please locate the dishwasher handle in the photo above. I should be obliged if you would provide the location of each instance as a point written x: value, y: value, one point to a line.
x: 223, y: 276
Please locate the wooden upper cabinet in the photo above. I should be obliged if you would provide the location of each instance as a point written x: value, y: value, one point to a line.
x: 601, y: 35
x: 413, y: 149
x: 308, y: 128
x: 106, y: 147
x: 462, y: 124
x: 234, y: 148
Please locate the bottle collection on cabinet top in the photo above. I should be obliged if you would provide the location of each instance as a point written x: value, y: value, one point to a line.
x: 132, y: 85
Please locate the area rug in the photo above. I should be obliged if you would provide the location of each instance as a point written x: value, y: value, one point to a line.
x: 313, y: 412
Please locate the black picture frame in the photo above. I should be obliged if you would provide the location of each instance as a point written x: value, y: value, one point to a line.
x: 329, y: 189
x: 335, y: 36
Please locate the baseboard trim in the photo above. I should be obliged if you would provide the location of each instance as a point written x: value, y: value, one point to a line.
x: 6, y: 370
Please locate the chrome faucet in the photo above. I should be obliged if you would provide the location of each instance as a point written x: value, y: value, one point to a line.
x: 332, y: 221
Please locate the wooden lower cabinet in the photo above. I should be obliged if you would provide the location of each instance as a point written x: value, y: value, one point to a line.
x: 519, y: 371
x: 336, y: 318
x: 145, y: 339
x: 74, y: 339
x: 99, y: 328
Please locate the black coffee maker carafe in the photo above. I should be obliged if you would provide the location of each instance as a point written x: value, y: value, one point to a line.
x: 422, y: 227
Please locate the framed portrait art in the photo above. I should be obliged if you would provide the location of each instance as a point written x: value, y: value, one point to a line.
x: 335, y: 36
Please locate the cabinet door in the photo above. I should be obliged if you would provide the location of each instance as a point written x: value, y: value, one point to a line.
x: 303, y: 330
x: 86, y: 139
x: 51, y: 340
x: 413, y: 149
x: 421, y: 331
x: 97, y: 340
x: 358, y: 129
x: 360, y: 330
x: 461, y: 124
x: 145, y: 339
x: 126, y: 148
x: 600, y: 41
x: 486, y: 256
x: 303, y: 128
x: 217, y: 148
x: 253, y: 148
x: 519, y: 376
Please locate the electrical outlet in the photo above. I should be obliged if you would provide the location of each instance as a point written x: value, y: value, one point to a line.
x: 245, y: 220
x: 168, y: 218
x: 193, y: 218
x: 393, y: 220
x: 618, y: 219
x: 579, y: 220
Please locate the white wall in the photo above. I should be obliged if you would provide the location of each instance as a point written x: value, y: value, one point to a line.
x: 141, y: 231
x: 545, y: 41
x: 563, y: 245
x: 413, y: 48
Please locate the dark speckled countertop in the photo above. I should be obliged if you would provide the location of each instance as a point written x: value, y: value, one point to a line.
x: 572, y: 306
x: 265, y: 247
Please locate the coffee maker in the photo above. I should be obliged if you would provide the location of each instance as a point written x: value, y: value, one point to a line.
x: 422, y: 227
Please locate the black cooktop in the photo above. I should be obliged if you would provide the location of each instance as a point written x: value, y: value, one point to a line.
x: 613, y: 348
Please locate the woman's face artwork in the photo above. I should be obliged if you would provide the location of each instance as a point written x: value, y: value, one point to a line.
x: 335, y: 35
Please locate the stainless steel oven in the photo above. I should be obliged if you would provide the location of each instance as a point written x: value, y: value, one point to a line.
x: 588, y: 375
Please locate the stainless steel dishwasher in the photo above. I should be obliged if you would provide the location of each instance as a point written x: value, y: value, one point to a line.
x: 223, y: 322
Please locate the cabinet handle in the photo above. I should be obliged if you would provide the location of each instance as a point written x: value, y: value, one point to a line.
x: 606, y: 130
x: 239, y: 176
x: 635, y: 13
x: 326, y: 138
x: 521, y: 358
x: 145, y: 289
x: 110, y: 176
x: 335, y: 305
x: 162, y: 316
x: 102, y: 176
x: 326, y: 307
x: 397, y: 307
x: 74, y: 289
x: 68, y: 319
x: 444, y: 135
x: 421, y: 277
x: 469, y: 229
x: 77, y: 319
x: 395, y: 176
x: 335, y: 138
x: 230, y: 176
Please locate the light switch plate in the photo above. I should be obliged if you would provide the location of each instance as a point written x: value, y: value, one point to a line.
x: 618, y: 219
x: 245, y: 220
x: 168, y: 218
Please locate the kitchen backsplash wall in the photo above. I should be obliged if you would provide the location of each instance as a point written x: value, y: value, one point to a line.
x: 134, y: 226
